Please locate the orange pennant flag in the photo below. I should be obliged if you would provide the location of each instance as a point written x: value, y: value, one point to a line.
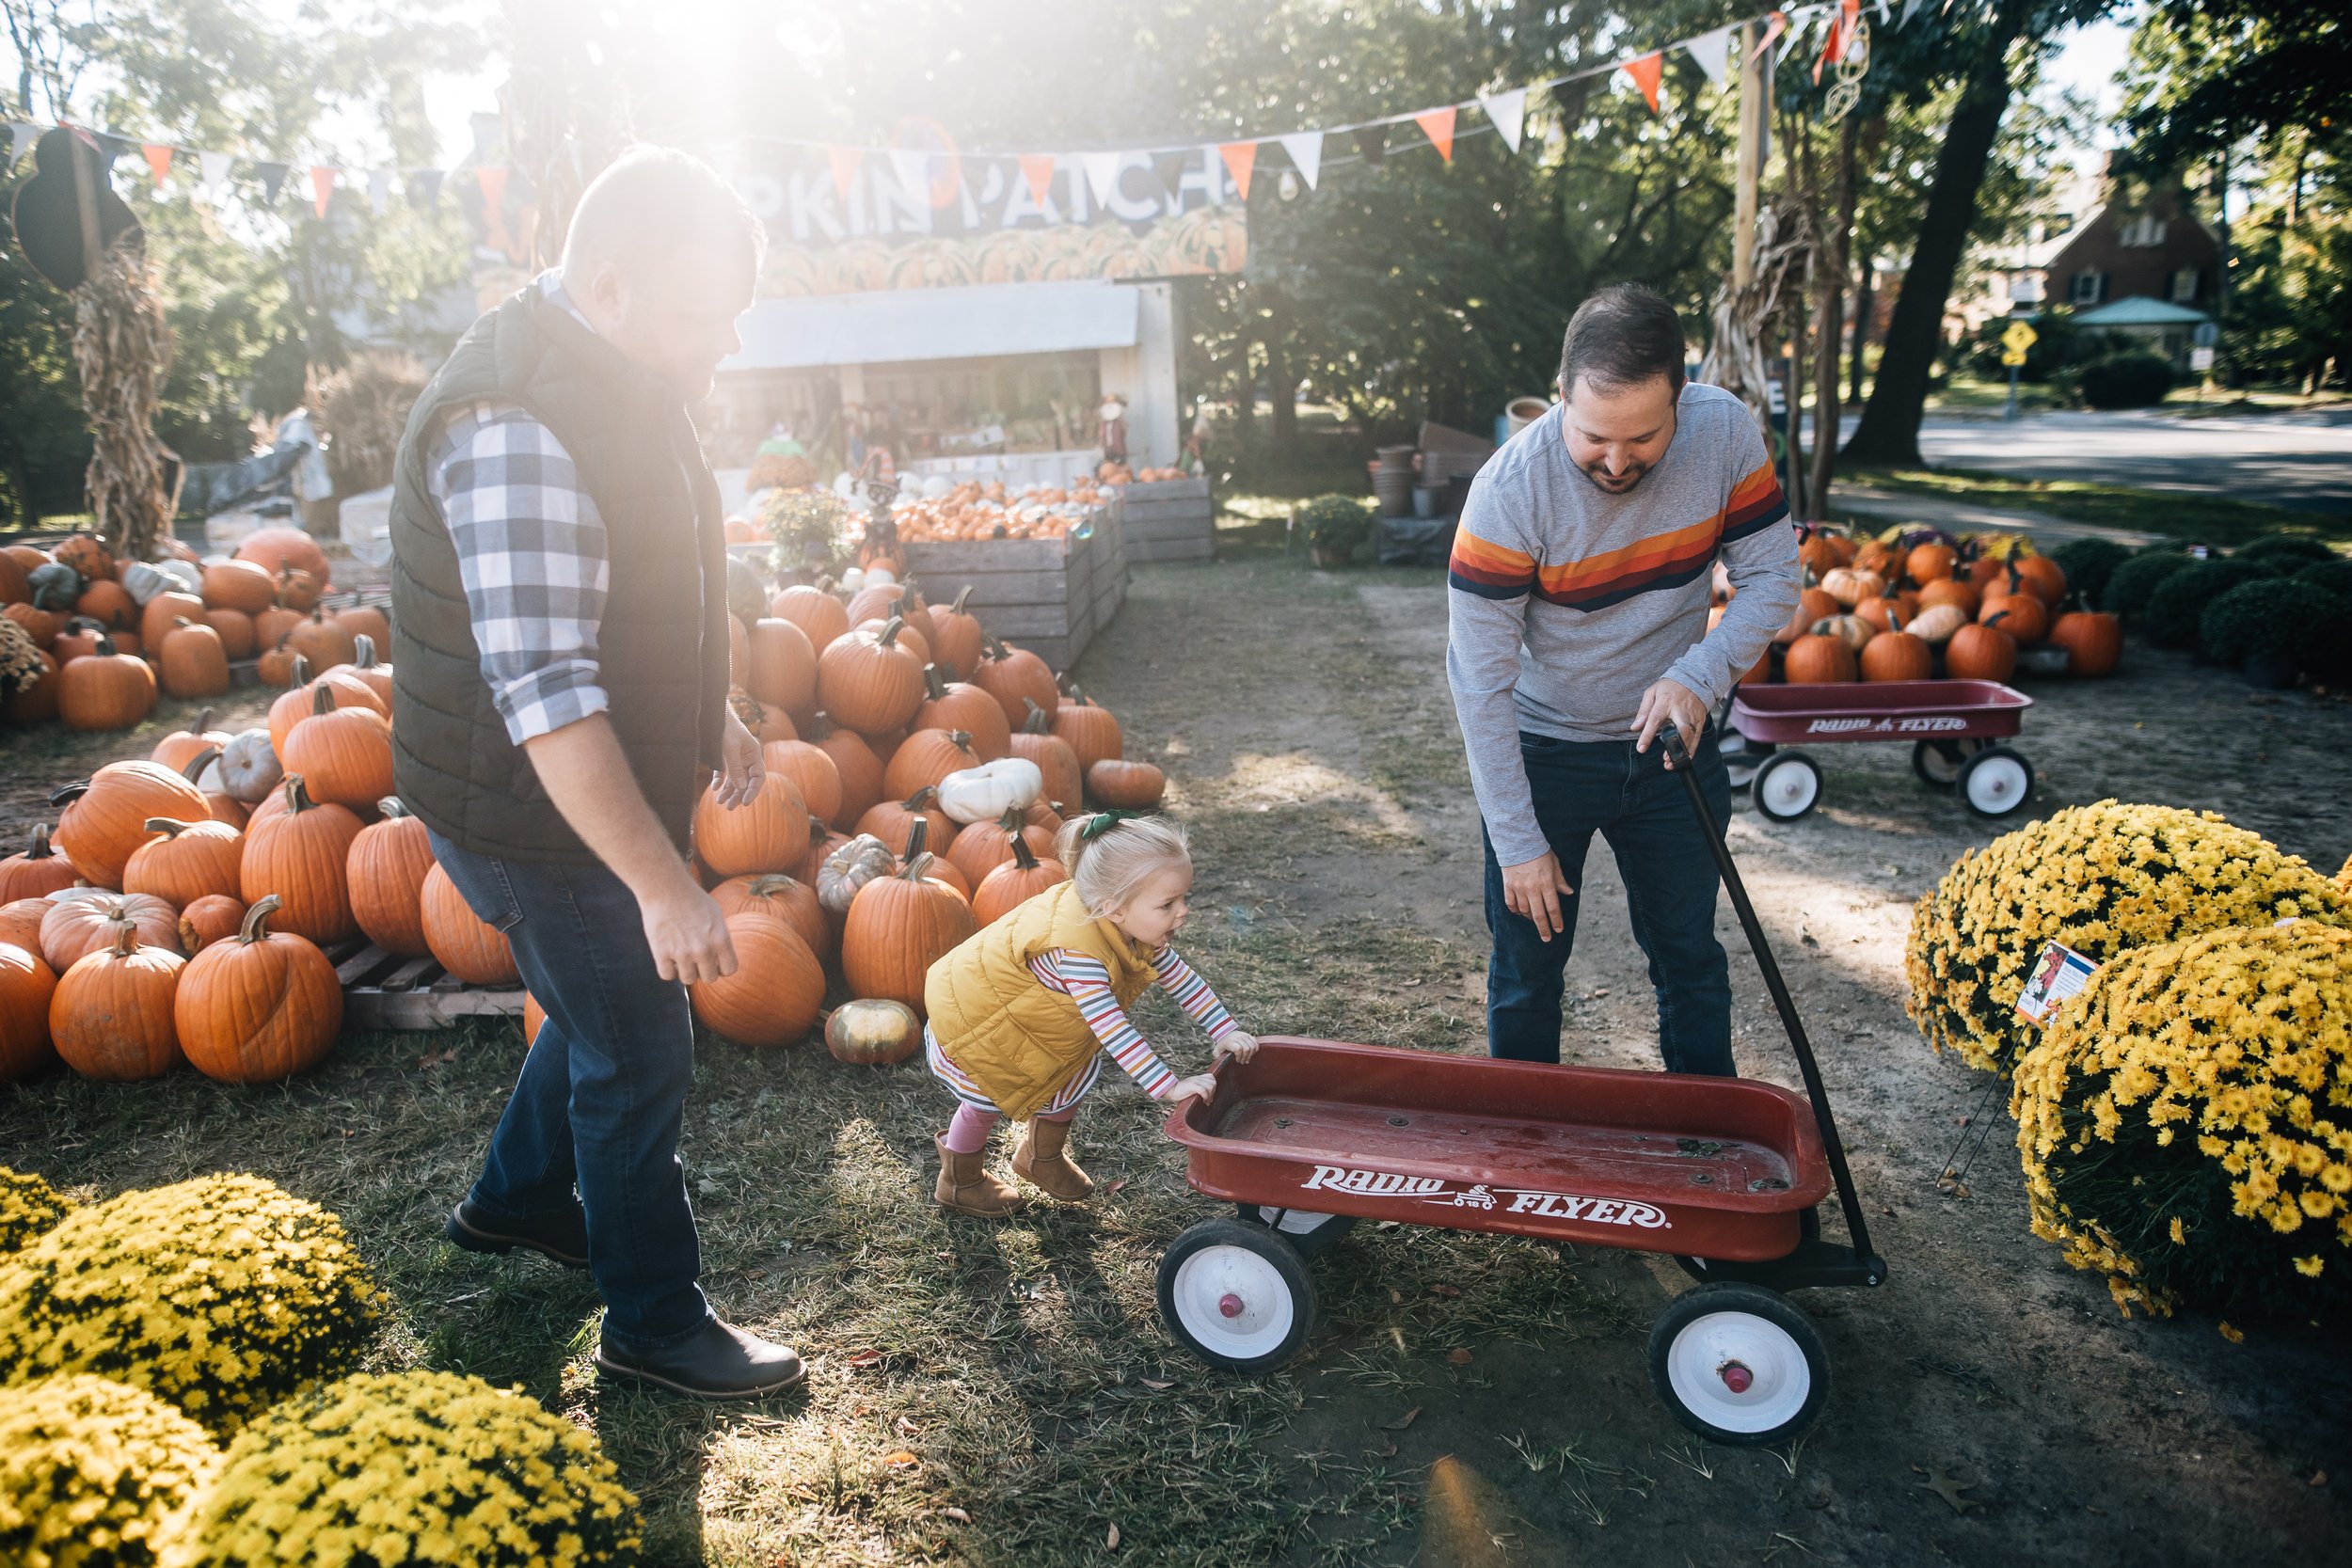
x: 1240, y: 158
x: 321, y: 186
x: 1437, y: 125
x: 158, y: 159
x: 847, y: 161
x: 1038, y: 170
x: 1646, y: 73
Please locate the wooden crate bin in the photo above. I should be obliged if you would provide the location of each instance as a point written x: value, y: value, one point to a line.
x: 1047, y: 596
x: 1169, y: 520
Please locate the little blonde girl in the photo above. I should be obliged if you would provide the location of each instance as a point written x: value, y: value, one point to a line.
x: 1023, y: 1013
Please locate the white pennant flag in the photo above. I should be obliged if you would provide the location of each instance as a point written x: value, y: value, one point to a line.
x: 1713, y: 53
x: 1911, y: 8
x: 213, y: 169
x: 379, y: 190
x: 1306, y: 153
x: 1102, y: 174
x: 20, y: 136
x: 914, y: 169
x: 1508, y: 110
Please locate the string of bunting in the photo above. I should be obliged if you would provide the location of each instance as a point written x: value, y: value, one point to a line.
x: 1505, y: 110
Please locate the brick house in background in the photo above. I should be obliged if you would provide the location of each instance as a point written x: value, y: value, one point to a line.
x: 2157, y: 250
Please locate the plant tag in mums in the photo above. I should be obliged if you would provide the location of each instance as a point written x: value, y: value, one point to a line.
x: 2059, y: 973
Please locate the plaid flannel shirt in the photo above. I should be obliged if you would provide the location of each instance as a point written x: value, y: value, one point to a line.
x: 530, y: 550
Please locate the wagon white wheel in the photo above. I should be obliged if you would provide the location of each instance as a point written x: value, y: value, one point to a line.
x: 1995, y: 782
x: 1737, y: 1363
x: 1938, y: 762
x: 1236, y: 1294
x: 1786, y: 787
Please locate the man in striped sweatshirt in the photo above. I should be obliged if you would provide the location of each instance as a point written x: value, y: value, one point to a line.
x: 1578, y: 607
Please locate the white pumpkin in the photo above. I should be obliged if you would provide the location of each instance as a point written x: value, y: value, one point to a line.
x: 853, y: 580
x: 1935, y: 624
x: 985, y: 793
x: 247, y: 769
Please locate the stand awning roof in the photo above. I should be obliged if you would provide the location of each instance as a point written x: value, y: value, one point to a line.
x: 974, y: 323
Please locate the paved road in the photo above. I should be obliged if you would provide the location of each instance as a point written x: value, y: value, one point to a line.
x: 2302, y: 460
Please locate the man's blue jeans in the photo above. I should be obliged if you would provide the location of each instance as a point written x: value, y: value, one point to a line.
x: 1587, y: 788
x: 602, y: 1092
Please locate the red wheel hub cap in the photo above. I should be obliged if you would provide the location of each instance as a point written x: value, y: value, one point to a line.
x: 1230, y: 1304
x: 1736, y: 1377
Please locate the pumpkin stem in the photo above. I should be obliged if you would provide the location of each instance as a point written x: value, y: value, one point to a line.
x: 918, y: 867
x: 956, y: 607
x: 255, y: 926
x: 322, y: 699
x: 888, y: 635
x: 197, y: 764
x: 105, y: 645
x: 168, y: 827
x: 991, y: 647
x: 126, y: 940
x: 363, y: 651
x: 69, y: 792
x: 1023, y: 856
x: 1894, y: 622
x: 1997, y: 617
x: 301, y: 665
x: 916, y: 836
x: 959, y: 739
x: 769, y: 885
x: 390, y: 807
x: 922, y: 798
x: 202, y: 721
x: 935, y: 682
x: 298, y: 795
x: 37, y: 842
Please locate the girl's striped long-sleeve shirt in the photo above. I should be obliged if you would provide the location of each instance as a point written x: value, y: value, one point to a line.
x: 1087, y: 983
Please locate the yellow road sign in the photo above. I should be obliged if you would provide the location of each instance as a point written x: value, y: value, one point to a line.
x: 2014, y: 357
x: 2018, y: 338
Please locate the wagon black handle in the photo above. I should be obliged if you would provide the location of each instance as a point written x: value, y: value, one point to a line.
x: 1679, y: 756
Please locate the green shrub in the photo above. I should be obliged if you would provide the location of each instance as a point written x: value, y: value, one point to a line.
x: 2334, y: 575
x: 1338, y: 523
x: 2133, y: 582
x: 2330, y: 656
x: 2132, y: 379
x: 2175, y: 608
x: 2087, y: 565
x: 2272, y: 618
x: 2292, y: 551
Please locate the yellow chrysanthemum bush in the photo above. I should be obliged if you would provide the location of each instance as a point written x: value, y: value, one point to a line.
x: 94, y: 1474
x: 403, y: 1470
x: 2101, y: 879
x: 2185, y: 1123
x: 30, y: 1206
x: 222, y: 1295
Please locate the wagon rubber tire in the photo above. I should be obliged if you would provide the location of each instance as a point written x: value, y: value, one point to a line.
x: 1707, y: 1338
x: 1786, y: 787
x: 1237, y: 1296
x: 1938, y: 762
x: 1310, y: 1240
x: 1997, y: 782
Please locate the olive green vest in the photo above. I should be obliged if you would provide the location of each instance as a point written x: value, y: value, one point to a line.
x: 661, y: 645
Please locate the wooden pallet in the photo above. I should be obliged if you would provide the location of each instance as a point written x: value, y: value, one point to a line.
x: 1168, y: 520
x: 384, y: 991
x: 1048, y: 595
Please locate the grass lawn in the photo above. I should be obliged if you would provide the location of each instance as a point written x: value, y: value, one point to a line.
x: 2214, y: 520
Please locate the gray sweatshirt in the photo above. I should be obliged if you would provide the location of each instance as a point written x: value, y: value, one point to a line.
x: 1568, y: 603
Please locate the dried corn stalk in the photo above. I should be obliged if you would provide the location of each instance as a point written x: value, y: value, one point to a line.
x: 1746, y: 319
x: 123, y: 348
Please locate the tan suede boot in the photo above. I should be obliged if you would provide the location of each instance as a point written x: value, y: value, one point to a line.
x: 965, y: 1186
x: 1042, y: 1157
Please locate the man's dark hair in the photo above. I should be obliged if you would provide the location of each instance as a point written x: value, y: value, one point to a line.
x: 1621, y: 336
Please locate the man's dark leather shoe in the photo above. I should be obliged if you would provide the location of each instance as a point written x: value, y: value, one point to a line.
x: 563, y: 1236
x: 720, y: 1362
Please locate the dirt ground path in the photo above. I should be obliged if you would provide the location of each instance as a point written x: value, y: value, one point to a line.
x: 1990, y: 1405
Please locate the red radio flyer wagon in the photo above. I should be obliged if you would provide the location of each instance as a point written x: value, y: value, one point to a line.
x: 1723, y: 1174
x: 1954, y: 727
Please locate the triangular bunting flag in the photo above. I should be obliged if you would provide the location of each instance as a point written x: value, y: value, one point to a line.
x: 1170, y: 168
x: 1778, y: 25
x: 212, y: 170
x: 1911, y: 8
x: 322, y: 187
x: 1646, y: 73
x: 1306, y: 154
x: 912, y: 166
x: 1371, y: 143
x: 1508, y: 110
x: 1437, y: 125
x: 1713, y: 53
x: 1036, y: 171
x: 379, y: 190
x: 158, y: 160
x: 424, y: 189
x: 20, y: 136
x: 1240, y: 157
x: 1102, y: 175
x: 845, y: 163
x: 273, y: 181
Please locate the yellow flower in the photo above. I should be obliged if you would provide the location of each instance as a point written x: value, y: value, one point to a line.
x: 2236, y: 1337
x: 93, y: 1473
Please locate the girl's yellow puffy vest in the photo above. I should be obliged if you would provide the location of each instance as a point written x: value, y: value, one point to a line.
x: 1019, y: 1041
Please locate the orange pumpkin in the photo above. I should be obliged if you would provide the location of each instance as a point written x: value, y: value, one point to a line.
x: 385, y: 869
x: 811, y: 772
x: 160, y: 612
x: 277, y: 549
x: 108, y: 690
x: 2024, y: 616
x: 345, y: 753
x: 35, y: 870
x: 1065, y: 779
x: 297, y: 854
x: 767, y: 724
x: 2093, y: 643
x: 364, y: 667
x: 189, y: 861
x: 239, y: 585
x: 1897, y: 655
x: 782, y: 667
x: 860, y: 770
x: 1929, y: 562
x: 110, y: 605
x: 1129, y: 785
x: 925, y: 758
x: 181, y: 747
x: 768, y: 832
x: 1951, y: 591
x: 1815, y: 658
x: 214, y: 917
x: 1983, y: 651
x: 2040, y: 575
x: 776, y: 991
x: 960, y: 705
x: 1093, y: 735
x: 26, y: 986
x: 790, y: 899
x: 1813, y: 604
x: 235, y: 628
x: 894, y: 822
x: 867, y: 681
x: 111, y: 1016
x: 322, y: 641
x: 1015, y: 677
x: 461, y: 940
x: 1015, y: 883
x: 258, y: 1007
x: 981, y: 847
x: 898, y: 927
x: 192, y: 661
x: 956, y: 638
x: 820, y: 617
x: 105, y: 816
x: 365, y: 620
x: 915, y: 639
x: 20, y: 923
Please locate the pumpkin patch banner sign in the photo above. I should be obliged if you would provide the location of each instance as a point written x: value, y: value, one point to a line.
x: 928, y: 219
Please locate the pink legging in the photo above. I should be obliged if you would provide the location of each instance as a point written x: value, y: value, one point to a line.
x: 968, y: 1133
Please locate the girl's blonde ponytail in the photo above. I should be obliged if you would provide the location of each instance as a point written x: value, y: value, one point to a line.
x: 1119, y: 856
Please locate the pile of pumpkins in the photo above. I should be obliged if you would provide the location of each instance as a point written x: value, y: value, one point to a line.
x: 111, y: 636
x: 1886, y: 610
x: 915, y: 769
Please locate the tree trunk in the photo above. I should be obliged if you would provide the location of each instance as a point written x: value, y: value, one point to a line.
x: 1797, y: 158
x: 1283, y: 385
x: 1829, y: 273
x: 1889, y: 430
x: 1866, y: 302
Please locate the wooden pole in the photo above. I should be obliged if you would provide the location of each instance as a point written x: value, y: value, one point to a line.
x: 1755, y: 103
